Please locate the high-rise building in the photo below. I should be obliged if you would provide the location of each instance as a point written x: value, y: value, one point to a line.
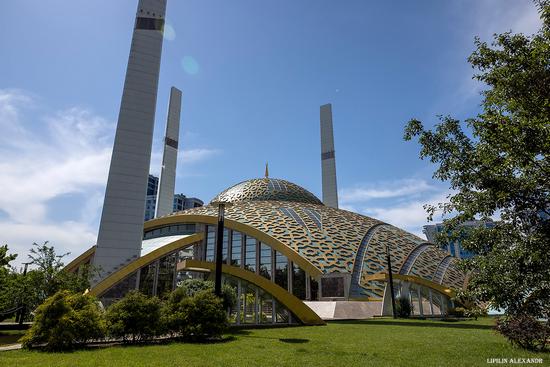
x: 179, y: 202
x: 328, y: 160
x: 121, y: 226
x: 152, y: 185
x: 454, y: 248
x: 167, y: 183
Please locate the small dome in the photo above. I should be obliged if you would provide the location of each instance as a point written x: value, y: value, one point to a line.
x: 267, y: 189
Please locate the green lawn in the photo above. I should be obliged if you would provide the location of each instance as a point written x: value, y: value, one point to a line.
x: 381, y: 342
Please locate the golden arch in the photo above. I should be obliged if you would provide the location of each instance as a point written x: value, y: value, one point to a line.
x: 244, y: 228
x: 125, y: 271
x: 412, y: 279
x: 297, y: 307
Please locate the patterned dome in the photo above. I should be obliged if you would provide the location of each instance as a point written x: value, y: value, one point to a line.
x: 261, y: 189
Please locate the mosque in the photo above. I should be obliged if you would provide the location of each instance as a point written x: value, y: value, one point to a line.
x: 291, y: 257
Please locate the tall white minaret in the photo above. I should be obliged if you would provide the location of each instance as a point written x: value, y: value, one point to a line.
x: 121, y: 227
x: 328, y: 162
x: 167, y: 182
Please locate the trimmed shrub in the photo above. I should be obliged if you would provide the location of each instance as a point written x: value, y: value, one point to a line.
x: 525, y: 331
x: 193, y: 286
x: 65, y: 320
x: 456, y: 311
x: 199, y: 317
x: 136, y: 317
x: 403, y: 307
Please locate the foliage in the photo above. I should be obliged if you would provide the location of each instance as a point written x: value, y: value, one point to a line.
x: 497, y: 164
x: 195, y: 317
x: 457, y: 311
x: 65, y: 320
x: 192, y: 286
x: 5, y: 258
x: 470, y: 306
x: 135, y: 317
x: 403, y: 307
x: 6, y: 281
x: 525, y: 331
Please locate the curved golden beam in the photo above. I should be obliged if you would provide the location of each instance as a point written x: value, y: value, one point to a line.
x: 412, y: 279
x: 291, y: 302
x: 125, y: 271
x: 238, y: 226
x: 73, y: 265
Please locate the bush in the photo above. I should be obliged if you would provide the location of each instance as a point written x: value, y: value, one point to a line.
x: 403, y: 307
x: 457, y: 311
x: 193, y: 286
x: 198, y: 317
x: 65, y: 320
x: 135, y: 317
x: 525, y: 331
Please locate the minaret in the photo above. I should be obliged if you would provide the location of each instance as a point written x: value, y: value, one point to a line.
x: 121, y: 227
x: 167, y: 183
x: 328, y: 163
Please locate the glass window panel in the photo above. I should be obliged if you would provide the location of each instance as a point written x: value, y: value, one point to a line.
x: 265, y: 261
x: 281, y: 270
x: 332, y: 287
x: 250, y: 254
x: 248, y: 304
x: 281, y: 314
x: 298, y: 282
x: 147, y: 278
x: 210, y: 243
x: 166, y: 275
x: 314, y: 289
x: 236, y: 247
x: 225, y: 245
x: 266, y: 308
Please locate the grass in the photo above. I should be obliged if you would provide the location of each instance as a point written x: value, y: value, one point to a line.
x: 380, y: 342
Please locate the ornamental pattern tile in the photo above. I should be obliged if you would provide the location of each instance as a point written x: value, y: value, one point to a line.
x: 331, y: 238
x: 267, y: 189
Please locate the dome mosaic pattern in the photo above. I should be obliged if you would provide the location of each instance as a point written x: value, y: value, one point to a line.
x: 267, y: 189
x: 330, y: 239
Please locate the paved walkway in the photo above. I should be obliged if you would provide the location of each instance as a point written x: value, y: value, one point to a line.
x: 10, y: 347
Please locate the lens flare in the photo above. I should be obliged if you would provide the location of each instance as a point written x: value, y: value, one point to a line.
x: 169, y: 32
x: 190, y: 65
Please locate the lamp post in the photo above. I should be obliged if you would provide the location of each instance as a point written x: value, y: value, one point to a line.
x: 219, y: 245
x: 20, y: 316
x: 391, y: 281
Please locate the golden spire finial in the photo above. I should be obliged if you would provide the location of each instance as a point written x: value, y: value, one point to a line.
x: 266, y: 170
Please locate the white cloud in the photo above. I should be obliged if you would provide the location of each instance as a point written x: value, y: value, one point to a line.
x: 409, y: 215
x: 40, y: 160
x: 399, y: 188
x: 400, y: 202
x: 190, y: 156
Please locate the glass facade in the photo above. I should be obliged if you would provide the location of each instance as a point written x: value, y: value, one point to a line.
x: 250, y: 254
x: 298, y: 282
x: 281, y: 270
x: 236, y: 248
x: 265, y: 261
x: 210, y: 243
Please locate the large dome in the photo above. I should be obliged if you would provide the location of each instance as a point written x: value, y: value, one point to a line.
x: 261, y: 189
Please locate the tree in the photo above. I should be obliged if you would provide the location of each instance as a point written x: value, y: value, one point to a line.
x: 64, y: 321
x: 135, y: 317
x: 497, y: 165
x: 7, y: 301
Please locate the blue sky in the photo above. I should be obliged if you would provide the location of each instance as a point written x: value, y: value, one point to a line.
x: 253, y: 75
